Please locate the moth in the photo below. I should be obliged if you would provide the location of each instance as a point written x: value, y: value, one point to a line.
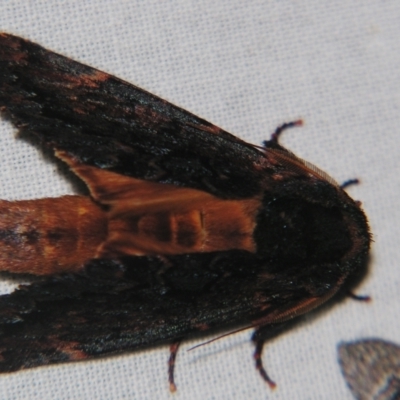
x: 371, y: 368
x: 185, y: 228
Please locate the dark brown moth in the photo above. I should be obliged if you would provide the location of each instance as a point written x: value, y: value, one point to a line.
x: 186, y: 227
x: 371, y: 368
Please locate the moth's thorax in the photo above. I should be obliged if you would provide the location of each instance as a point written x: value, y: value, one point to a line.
x: 308, y: 222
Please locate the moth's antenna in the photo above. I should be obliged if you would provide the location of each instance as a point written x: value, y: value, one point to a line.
x: 220, y: 337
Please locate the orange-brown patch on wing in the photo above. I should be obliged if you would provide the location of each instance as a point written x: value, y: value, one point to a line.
x: 150, y: 117
x: 152, y: 218
x: 70, y: 350
x: 49, y: 236
x: 92, y: 80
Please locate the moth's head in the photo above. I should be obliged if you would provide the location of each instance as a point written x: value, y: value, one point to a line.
x: 309, y: 222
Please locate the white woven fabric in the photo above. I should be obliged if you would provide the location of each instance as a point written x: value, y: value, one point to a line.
x: 246, y: 66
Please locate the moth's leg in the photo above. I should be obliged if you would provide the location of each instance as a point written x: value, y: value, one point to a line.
x: 349, y: 182
x: 171, y: 364
x: 284, y: 127
x: 358, y: 297
x: 259, y: 344
x: 260, y: 336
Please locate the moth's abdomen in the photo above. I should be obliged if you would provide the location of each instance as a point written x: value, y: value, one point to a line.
x: 49, y: 236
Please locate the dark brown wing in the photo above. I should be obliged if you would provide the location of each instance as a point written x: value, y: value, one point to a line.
x: 116, y: 307
x: 111, y: 124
